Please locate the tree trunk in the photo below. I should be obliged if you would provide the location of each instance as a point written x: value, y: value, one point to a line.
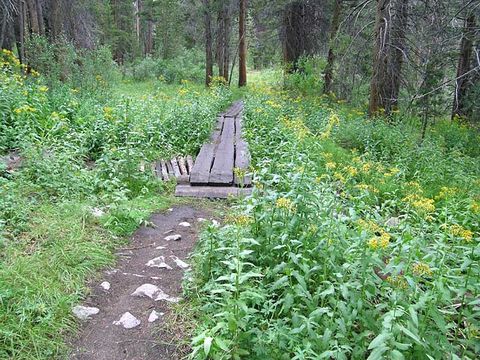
x: 226, y: 42
x: 327, y: 86
x: 462, y: 83
x: 397, y: 53
x: 149, y: 38
x: 242, y: 71
x: 41, y: 20
x: 294, y: 43
x: 19, y: 30
x: 220, y: 39
x: 33, y: 16
x: 208, y: 43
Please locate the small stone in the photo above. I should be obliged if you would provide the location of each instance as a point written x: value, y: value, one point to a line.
x: 128, y: 321
x: 160, y: 248
x: 84, y: 312
x: 201, y: 220
x: 175, y: 237
x: 146, y: 290
x: 105, y: 285
x: 185, y: 224
x: 111, y: 272
x: 163, y: 296
x: 170, y: 209
x: 215, y: 223
x: 159, y: 262
x: 181, y: 264
x: 392, y: 222
x: 154, y: 316
x: 97, y: 212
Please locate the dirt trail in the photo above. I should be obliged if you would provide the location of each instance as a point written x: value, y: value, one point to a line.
x: 158, y: 284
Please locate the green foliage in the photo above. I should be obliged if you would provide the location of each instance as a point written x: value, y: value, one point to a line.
x: 187, y: 66
x: 79, y: 188
x: 307, y: 79
x: 358, y: 241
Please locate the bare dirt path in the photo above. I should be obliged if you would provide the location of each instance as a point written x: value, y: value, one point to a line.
x: 134, y: 299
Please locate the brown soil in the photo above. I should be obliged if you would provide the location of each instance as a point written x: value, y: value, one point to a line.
x: 163, y: 339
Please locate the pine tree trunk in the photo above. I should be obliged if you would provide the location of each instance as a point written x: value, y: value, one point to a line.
x: 220, y: 39
x: 208, y: 43
x: 33, y: 16
x: 19, y: 30
x: 379, y: 83
x: 242, y: 72
x: 462, y: 83
x: 294, y: 43
x: 327, y: 86
x: 226, y: 44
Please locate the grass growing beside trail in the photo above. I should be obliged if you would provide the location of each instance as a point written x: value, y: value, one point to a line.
x: 360, y: 240
x: 79, y: 191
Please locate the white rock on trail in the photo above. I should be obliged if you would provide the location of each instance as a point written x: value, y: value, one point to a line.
x: 175, y: 237
x: 163, y: 296
x: 154, y: 316
x: 201, y: 220
x: 159, y: 262
x: 185, y: 224
x: 154, y: 292
x: 105, y: 285
x: 181, y: 264
x: 128, y: 321
x: 160, y: 248
x: 393, y: 222
x: 84, y: 312
x: 97, y: 212
x: 146, y: 290
x: 215, y: 223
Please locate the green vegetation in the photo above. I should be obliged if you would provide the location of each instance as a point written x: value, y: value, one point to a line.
x: 79, y: 190
x: 360, y: 241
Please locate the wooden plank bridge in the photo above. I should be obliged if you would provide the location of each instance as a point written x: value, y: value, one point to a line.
x: 220, y: 169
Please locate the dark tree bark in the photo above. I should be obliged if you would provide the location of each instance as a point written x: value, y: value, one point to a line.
x: 226, y: 42
x: 19, y: 30
x: 464, y: 66
x: 390, y: 25
x: 208, y: 43
x: 295, y: 43
x: 33, y: 16
x: 220, y: 38
x: 327, y: 86
x: 242, y: 71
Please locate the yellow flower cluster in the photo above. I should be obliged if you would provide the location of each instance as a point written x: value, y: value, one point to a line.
x: 367, y: 187
x: 241, y: 220
x: 25, y: 109
x: 397, y: 281
x: 475, y: 207
x: 330, y: 165
x: 332, y: 121
x: 457, y: 230
x: 297, y: 126
x: 43, y: 89
x: 421, y: 269
x: 273, y: 104
x: 108, y: 113
x: 446, y: 192
x: 422, y: 204
x: 382, y: 238
x: 351, y: 171
x: 392, y: 172
x: 284, y: 203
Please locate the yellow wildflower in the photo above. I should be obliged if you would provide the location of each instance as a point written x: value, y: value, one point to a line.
x: 457, y: 230
x: 421, y: 269
x: 420, y: 203
x: 284, y: 203
x: 475, y: 207
x: 446, y: 192
x: 351, y: 171
x: 397, y: 281
x: 43, y: 89
x: 330, y: 165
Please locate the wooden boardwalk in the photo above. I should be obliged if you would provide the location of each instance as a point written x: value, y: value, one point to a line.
x: 221, y: 167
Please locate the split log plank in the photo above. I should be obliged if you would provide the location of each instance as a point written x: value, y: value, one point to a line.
x: 182, y: 165
x: 200, y: 172
x: 189, y: 164
x: 164, y: 171
x: 176, y: 169
x: 222, y: 169
x: 214, y: 192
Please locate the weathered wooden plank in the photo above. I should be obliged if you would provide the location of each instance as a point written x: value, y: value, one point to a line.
x: 222, y: 169
x: 153, y: 168
x: 242, y: 162
x: 215, y: 192
x: 176, y: 169
x: 200, y: 172
x: 182, y: 165
x: 164, y: 170
x: 234, y: 110
x: 183, y: 179
x: 238, y: 129
x: 170, y: 168
x: 189, y: 164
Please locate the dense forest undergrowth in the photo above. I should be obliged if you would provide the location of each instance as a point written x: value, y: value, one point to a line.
x: 360, y: 240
